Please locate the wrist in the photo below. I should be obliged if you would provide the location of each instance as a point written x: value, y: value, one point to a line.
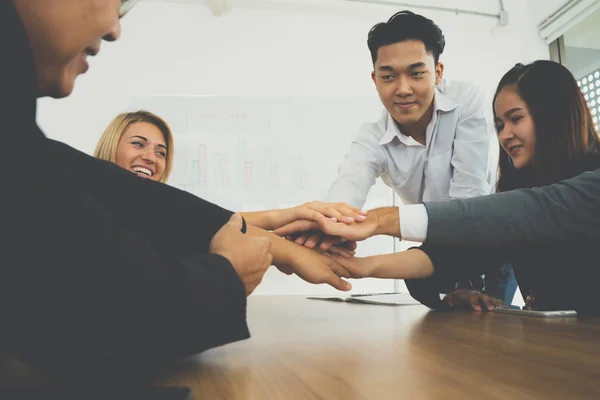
x: 266, y: 220
x: 226, y: 255
x: 371, y: 266
x: 273, y: 219
x: 388, y: 221
x: 269, y: 220
x: 284, y: 252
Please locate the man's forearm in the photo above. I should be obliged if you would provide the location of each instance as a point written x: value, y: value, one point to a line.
x: 388, y: 221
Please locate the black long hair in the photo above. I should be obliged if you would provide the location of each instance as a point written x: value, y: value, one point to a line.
x: 564, y: 128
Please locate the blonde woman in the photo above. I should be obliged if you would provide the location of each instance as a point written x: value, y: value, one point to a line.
x: 140, y: 142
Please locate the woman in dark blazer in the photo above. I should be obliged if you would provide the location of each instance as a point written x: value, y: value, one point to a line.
x: 547, y: 134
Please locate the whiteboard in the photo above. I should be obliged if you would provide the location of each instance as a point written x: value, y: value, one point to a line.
x: 258, y: 153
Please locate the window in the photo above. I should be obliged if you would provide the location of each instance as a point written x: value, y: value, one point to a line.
x: 576, y: 28
x: 590, y: 86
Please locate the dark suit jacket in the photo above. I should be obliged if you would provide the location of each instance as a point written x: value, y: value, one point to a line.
x: 567, y: 210
x: 549, y: 234
x: 102, y: 273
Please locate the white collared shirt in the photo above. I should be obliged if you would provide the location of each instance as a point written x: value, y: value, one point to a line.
x: 459, y: 159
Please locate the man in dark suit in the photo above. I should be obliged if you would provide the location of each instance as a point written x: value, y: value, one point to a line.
x: 104, y: 274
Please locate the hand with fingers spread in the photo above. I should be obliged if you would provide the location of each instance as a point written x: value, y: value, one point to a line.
x: 324, y: 243
x: 320, y: 212
x: 354, y: 232
x: 250, y: 256
x: 339, y: 212
x: 471, y: 298
x: 310, y: 265
x: 313, y: 211
x: 338, y: 246
x: 315, y: 267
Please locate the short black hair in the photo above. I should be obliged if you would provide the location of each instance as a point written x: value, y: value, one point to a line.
x: 406, y: 25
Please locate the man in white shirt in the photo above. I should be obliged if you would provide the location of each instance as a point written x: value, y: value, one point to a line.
x: 433, y: 140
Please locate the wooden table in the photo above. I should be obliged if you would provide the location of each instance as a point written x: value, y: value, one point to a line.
x: 309, y: 349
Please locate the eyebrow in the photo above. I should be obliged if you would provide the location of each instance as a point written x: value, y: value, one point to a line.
x: 145, y: 140
x: 386, y: 68
x: 416, y: 65
x: 512, y: 110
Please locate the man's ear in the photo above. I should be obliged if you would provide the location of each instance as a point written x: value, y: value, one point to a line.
x: 374, y: 77
x: 439, y: 72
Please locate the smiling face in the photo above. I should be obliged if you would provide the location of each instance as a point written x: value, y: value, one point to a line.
x: 405, y: 77
x: 515, y: 126
x: 143, y: 150
x: 62, y: 34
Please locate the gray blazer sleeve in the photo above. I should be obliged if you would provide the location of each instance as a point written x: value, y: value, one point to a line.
x: 567, y: 210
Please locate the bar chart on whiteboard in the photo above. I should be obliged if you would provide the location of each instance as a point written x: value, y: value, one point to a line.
x: 255, y: 153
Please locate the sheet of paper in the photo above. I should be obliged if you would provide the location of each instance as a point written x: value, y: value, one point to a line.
x: 396, y: 299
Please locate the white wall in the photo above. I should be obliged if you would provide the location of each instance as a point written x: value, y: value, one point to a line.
x: 173, y: 48
x: 274, y: 48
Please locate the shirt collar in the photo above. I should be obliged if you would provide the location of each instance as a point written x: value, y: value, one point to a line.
x: 441, y: 102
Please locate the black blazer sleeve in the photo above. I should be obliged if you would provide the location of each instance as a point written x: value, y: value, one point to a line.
x: 85, y: 298
x: 565, y: 211
x: 102, y: 274
x: 451, y: 264
x: 172, y: 220
x: 84, y: 292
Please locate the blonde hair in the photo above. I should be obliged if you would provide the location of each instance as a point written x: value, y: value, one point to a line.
x: 106, y: 149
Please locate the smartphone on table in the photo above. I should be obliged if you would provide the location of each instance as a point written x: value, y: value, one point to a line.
x: 535, y: 313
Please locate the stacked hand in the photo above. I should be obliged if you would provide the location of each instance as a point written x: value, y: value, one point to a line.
x: 306, y: 223
x: 308, y: 232
x: 317, y: 268
x: 318, y: 211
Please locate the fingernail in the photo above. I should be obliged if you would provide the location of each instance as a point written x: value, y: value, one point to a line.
x: 361, y: 217
x: 333, y: 219
x: 364, y: 212
x: 349, y: 219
